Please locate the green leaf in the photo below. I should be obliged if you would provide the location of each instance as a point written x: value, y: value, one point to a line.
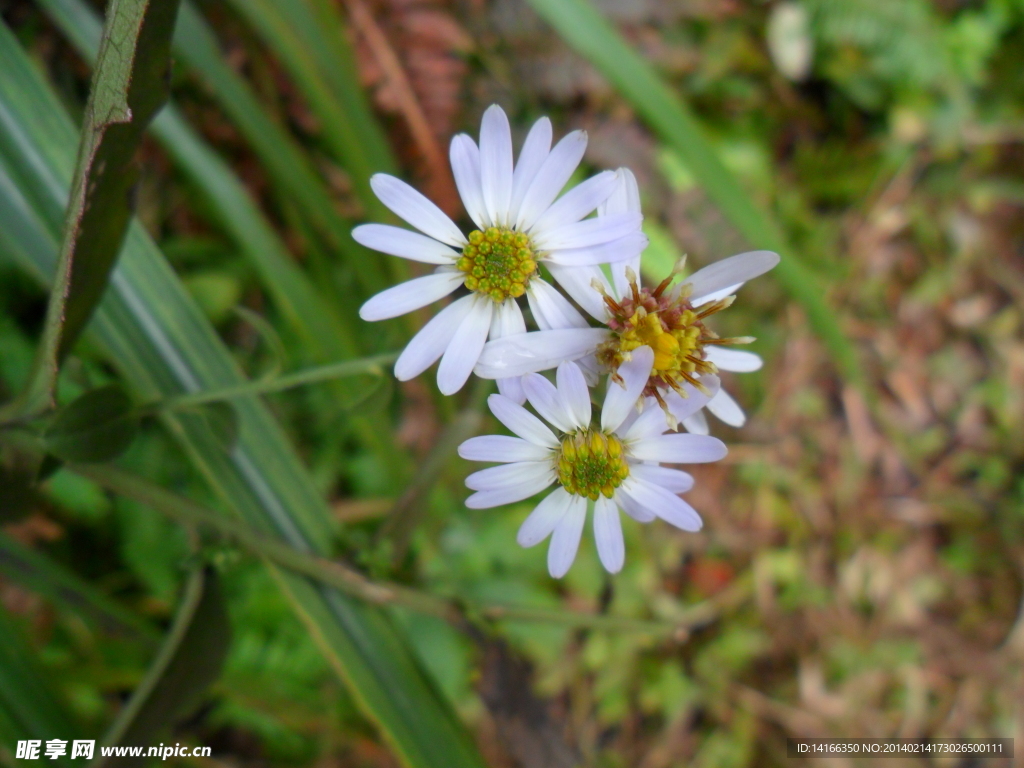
x: 38, y: 573
x: 314, y: 49
x: 28, y: 704
x: 294, y: 296
x: 18, y: 472
x: 315, y: 322
x: 129, y: 85
x: 223, y: 422
x: 163, y: 346
x: 98, y: 426
x: 295, y: 179
x: 582, y: 27
x: 189, y: 662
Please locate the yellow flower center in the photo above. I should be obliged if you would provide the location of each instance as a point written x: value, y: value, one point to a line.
x: 669, y: 324
x: 678, y: 346
x: 498, y: 263
x: 591, y: 463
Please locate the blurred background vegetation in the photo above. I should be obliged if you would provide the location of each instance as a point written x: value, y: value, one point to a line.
x: 860, y: 571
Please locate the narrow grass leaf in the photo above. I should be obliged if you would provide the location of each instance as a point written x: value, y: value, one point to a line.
x: 189, y: 661
x: 129, y: 85
x: 318, y: 58
x: 323, y: 332
x: 582, y: 27
x: 28, y: 702
x: 295, y: 178
x: 53, y: 581
x: 163, y: 346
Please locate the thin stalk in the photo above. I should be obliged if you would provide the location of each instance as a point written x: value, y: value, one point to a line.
x: 367, y: 365
x: 352, y: 582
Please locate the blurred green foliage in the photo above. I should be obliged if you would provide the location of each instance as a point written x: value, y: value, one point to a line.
x: 860, y: 569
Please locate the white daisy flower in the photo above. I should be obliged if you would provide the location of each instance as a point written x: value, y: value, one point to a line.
x: 520, y: 224
x: 606, y: 468
x: 670, y: 320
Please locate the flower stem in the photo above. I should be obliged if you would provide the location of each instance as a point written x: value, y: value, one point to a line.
x: 366, y: 365
x: 352, y: 582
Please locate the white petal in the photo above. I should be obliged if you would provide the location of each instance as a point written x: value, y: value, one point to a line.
x: 574, y: 391
x: 410, y: 295
x: 537, y: 351
x: 531, y: 157
x: 715, y: 295
x: 626, y: 249
x: 726, y: 409
x: 548, y: 402
x: 577, y: 282
x: 620, y: 398
x: 402, y: 242
x: 411, y: 206
x: 678, y: 449
x: 608, y: 535
x: 432, y: 340
x: 696, y: 424
x: 507, y: 320
x: 565, y: 539
x: 633, y: 415
x: 502, y: 448
x: 684, y: 407
x: 591, y: 369
x: 521, y: 421
x: 730, y: 271
x: 663, y: 503
x: 650, y: 423
x: 465, y: 159
x: 534, y: 475
x: 496, y: 164
x: 464, y: 350
x: 589, y: 232
x: 545, y: 516
x: 512, y: 388
x: 488, y: 499
x: 626, y: 196
x: 633, y: 508
x: 576, y: 203
x: 558, y: 166
x: 551, y: 310
x: 674, y: 480
x: 734, y: 359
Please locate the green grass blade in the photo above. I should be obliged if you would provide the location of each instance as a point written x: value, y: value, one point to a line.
x: 582, y: 27
x: 295, y: 179
x: 314, y: 321
x: 128, y: 86
x: 27, y: 702
x: 163, y: 346
x: 309, y: 316
x: 294, y: 176
x: 318, y: 59
x: 38, y: 573
x: 189, y: 661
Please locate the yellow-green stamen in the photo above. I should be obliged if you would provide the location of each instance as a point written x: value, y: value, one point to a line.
x: 672, y: 327
x: 591, y: 463
x: 498, y: 263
